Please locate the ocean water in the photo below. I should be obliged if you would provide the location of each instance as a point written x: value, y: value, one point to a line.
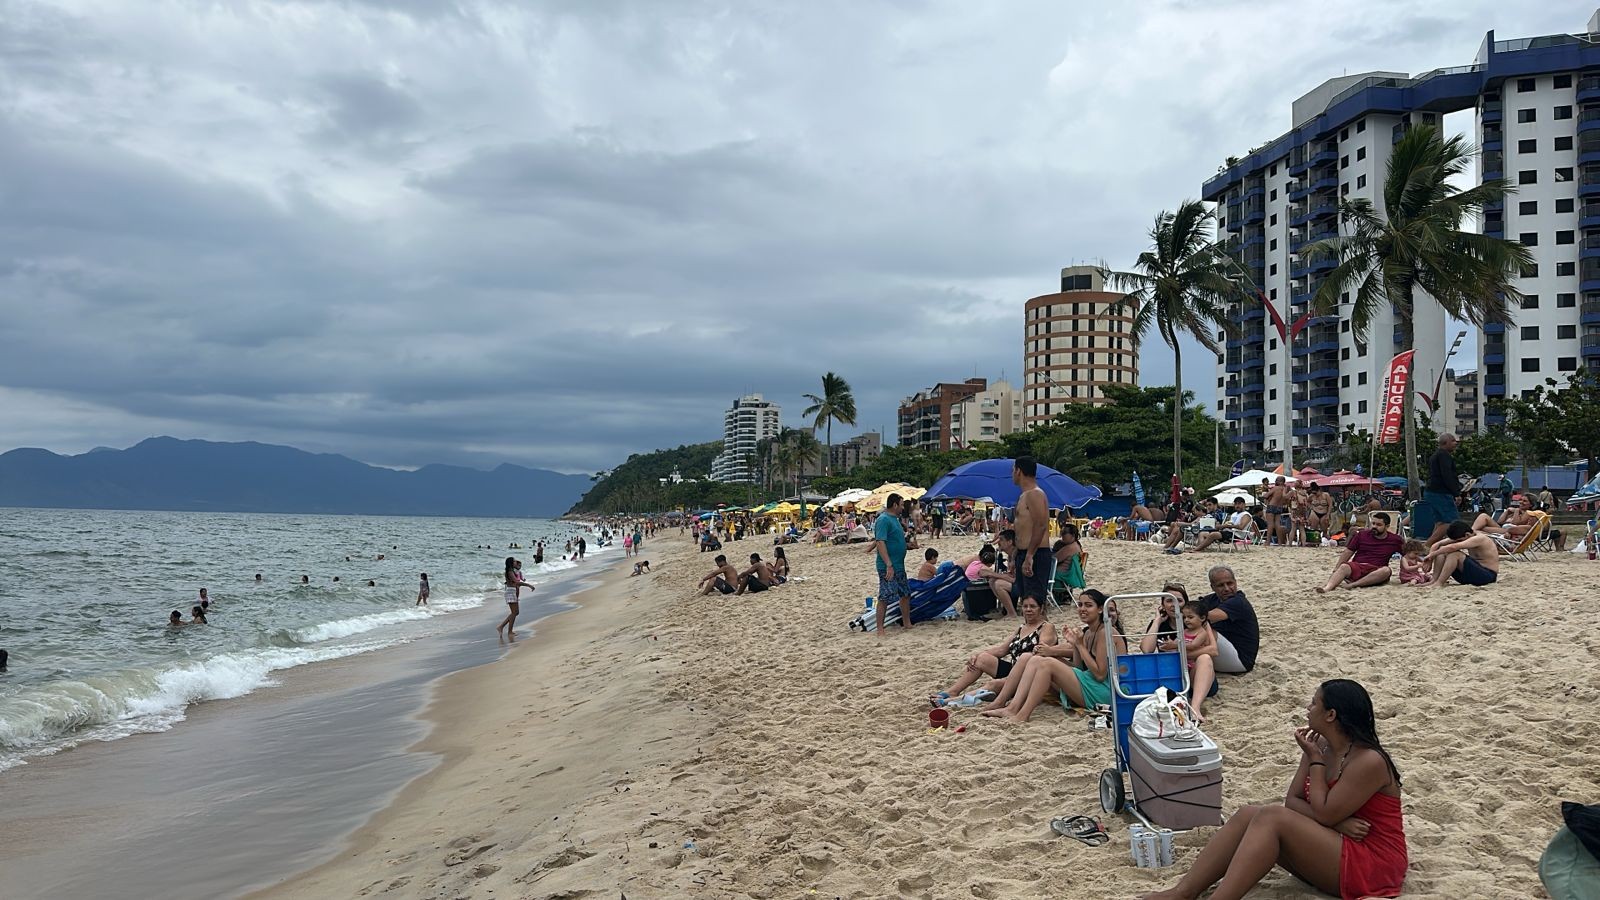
x: 85, y: 595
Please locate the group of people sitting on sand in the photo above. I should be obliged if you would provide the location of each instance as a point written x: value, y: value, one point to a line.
x: 759, y: 576
x: 1219, y: 630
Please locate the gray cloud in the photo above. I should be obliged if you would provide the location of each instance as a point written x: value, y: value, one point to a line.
x: 556, y: 234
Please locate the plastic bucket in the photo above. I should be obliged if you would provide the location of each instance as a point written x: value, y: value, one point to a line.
x: 938, y: 718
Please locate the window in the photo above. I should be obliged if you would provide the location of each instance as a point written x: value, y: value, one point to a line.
x: 1361, y: 407
x: 1272, y: 344
x: 1530, y: 301
x: 1344, y: 189
x: 1565, y: 237
x: 1561, y: 81
x: 1274, y: 195
x: 1344, y: 162
x: 1273, y: 244
x: 1344, y: 409
x: 1529, y: 332
x: 1566, y: 332
x: 1274, y: 219
x: 1271, y: 420
x: 1272, y: 369
x: 1361, y: 153
x: 1562, y: 112
x: 1273, y: 172
x: 1528, y: 146
x: 1563, y: 143
x: 1530, y: 364
x: 1344, y: 381
x: 1528, y: 176
x: 1564, y: 173
x: 1531, y: 270
x: 1566, y: 268
x: 1344, y: 326
x: 1527, y: 115
x: 1361, y: 181
x: 1524, y: 85
x: 1344, y: 135
x: 1273, y: 269
x: 1361, y: 378
x: 1564, y: 205
x: 1345, y: 353
x: 1566, y: 301
x: 1528, y: 208
x: 1529, y: 238
x: 1361, y: 125
x: 1567, y: 363
x: 1274, y: 294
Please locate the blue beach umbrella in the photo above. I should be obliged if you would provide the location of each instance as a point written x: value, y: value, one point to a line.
x: 991, y: 478
x: 1138, y: 489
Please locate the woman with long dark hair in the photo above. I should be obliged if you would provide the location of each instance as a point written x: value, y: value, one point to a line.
x: 513, y: 587
x: 1339, y: 828
x: 1086, y: 681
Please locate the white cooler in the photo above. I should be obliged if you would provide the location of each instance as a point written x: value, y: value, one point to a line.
x: 1177, y: 784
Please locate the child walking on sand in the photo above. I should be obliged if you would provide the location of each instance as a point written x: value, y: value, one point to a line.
x: 422, y: 591
x: 1412, y: 571
x: 1200, y: 644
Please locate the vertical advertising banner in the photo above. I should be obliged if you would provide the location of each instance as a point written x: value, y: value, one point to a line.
x: 1395, y: 386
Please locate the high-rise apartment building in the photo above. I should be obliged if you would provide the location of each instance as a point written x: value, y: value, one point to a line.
x: 1458, y: 406
x: 743, y: 426
x: 925, y: 415
x: 1537, y: 105
x: 1073, y: 343
x: 987, y: 415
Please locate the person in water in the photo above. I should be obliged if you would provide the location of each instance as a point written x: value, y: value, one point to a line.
x: 513, y: 591
x: 1339, y: 827
x: 258, y: 577
x: 423, y: 591
x: 305, y: 579
x: 175, y: 620
x: 197, y: 616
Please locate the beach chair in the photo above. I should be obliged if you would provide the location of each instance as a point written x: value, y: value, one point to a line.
x: 1523, y: 549
x: 931, y: 599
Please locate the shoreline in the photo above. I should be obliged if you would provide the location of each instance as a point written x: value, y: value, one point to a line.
x: 315, y: 754
x: 466, y: 713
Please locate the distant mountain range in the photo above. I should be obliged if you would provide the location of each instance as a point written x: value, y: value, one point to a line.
x: 166, y: 473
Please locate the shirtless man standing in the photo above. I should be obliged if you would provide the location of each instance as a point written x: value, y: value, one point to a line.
x: 1032, y: 527
x: 1469, y: 557
x: 1277, y: 504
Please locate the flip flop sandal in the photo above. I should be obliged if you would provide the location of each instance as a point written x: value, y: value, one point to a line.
x: 986, y: 696
x: 939, y: 699
x: 1082, y: 829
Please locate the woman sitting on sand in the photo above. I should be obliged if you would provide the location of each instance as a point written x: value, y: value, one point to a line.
x: 1000, y: 660
x: 1161, y: 635
x: 1339, y: 827
x: 780, y: 565
x: 1086, y: 684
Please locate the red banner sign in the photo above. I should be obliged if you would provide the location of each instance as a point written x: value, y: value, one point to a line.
x: 1396, y: 383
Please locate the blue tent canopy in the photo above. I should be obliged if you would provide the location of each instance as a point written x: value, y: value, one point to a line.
x: 991, y: 479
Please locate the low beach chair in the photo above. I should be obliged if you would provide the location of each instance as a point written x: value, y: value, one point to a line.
x: 1523, y: 549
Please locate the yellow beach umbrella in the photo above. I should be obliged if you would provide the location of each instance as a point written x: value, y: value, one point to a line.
x: 880, y: 495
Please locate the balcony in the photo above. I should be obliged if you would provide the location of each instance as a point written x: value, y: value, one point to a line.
x: 1589, y: 119
x: 1298, y: 160
x: 1325, y: 209
x: 1316, y: 369
x: 1254, y: 213
x: 1589, y: 147
x: 1589, y: 246
x: 1494, y: 354
x: 1591, y: 345
x: 1588, y: 274
x: 1248, y: 336
x: 1589, y: 215
x: 1318, y: 397
x: 1492, y: 111
x: 1589, y: 181
x: 1494, y: 164
x: 1493, y: 138
x: 1321, y: 339
x: 1252, y: 313
x: 1329, y: 182
x: 1589, y: 88
x: 1299, y: 215
x: 1321, y: 426
x: 1299, y: 190
x: 1494, y: 328
x: 1589, y: 312
x: 1253, y: 386
x: 1325, y: 156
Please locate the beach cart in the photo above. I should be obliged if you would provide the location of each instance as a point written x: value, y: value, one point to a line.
x: 1134, y: 677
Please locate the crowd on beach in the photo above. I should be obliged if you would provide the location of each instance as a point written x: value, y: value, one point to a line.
x: 1339, y: 826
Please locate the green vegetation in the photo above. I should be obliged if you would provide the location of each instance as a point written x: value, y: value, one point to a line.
x: 1560, y: 422
x: 1384, y: 260
x: 1179, y: 286
x: 636, y: 485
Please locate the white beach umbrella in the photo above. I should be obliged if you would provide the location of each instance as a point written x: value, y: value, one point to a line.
x: 1250, y: 479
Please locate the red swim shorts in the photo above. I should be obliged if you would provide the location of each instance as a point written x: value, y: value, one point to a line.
x: 1359, y: 571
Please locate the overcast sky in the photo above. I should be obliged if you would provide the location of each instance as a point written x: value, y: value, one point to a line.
x: 555, y: 233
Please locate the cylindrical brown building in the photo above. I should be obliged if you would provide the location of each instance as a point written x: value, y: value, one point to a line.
x: 1073, y: 344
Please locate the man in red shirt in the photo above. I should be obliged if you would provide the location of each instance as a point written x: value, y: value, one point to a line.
x: 1365, y: 562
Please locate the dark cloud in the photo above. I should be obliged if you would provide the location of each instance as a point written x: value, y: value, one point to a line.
x: 559, y: 233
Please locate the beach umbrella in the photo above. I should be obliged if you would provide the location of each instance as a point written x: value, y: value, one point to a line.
x: 1249, y: 479
x: 991, y: 479
x: 1138, y: 489
x: 848, y: 496
x: 1226, y: 498
x: 880, y: 495
x: 1346, y: 479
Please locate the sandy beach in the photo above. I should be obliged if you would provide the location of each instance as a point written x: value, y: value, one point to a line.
x: 657, y: 744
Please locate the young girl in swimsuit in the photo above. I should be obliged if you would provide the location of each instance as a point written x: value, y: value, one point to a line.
x: 1339, y: 827
x: 513, y: 590
x: 1412, y: 571
x: 1200, y: 645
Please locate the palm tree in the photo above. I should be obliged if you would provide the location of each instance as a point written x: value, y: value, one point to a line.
x: 837, y: 404
x: 805, y: 451
x: 1181, y: 286
x: 1419, y: 245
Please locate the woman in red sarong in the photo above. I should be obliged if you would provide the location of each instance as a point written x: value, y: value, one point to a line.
x: 1339, y: 827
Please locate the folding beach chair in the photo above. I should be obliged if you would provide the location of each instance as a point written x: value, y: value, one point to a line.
x: 1523, y: 549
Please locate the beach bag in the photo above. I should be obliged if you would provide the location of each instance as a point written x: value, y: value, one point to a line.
x: 1164, y: 715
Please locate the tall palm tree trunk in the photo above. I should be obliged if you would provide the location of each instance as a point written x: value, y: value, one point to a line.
x: 1408, y: 402
x: 1177, y: 411
x: 827, y: 459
